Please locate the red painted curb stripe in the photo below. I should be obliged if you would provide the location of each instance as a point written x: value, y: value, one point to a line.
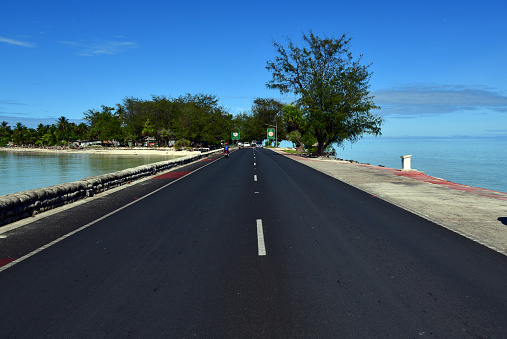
x: 4, y: 262
x: 208, y: 159
x: 442, y: 182
x: 172, y: 175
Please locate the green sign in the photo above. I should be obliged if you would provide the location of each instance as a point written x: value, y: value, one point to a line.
x: 235, y: 135
x: 271, y: 133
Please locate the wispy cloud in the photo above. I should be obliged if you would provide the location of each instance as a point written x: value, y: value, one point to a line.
x: 86, y: 48
x: 16, y: 42
x: 10, y: 102
x: 432, y: 99
x: 496, y: 131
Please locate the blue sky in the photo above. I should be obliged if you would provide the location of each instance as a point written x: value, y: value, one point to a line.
x: 438, y: 67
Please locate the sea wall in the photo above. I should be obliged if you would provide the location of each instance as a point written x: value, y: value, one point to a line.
x: 16, y: 206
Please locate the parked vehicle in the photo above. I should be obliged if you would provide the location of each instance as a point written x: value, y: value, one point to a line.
x: 246, y: 144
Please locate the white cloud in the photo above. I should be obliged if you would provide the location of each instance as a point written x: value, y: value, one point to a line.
x: 100, y: 48
x: 17, y: 42
x: 10, y: 102
x: 432, y: 99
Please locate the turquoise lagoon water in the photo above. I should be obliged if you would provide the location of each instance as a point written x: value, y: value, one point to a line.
x: 474, y: 162
x: 21, y: 171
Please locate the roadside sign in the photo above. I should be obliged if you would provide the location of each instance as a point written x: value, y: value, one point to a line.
x: 235, y: 135
x: 271, y: 133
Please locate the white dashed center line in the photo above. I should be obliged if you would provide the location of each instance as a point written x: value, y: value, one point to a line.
x: 260, y: 238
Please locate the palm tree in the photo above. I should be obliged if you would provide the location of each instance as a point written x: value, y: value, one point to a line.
x: 62, y: 123
x: 18, y: 135
x: 5, y: 133
x: 82, y: 131
x: 5, y: 129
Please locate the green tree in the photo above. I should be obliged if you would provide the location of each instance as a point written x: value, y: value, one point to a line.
x: 105, y: 124
x: 295, y: 125
x: 163, y: 111
x: 332, y: 89
x: 266, y: 113
x: 82, y: 131
x: 5, y: 133
x: 133, y: 113
x: 245, y: 124
x: 63, y: 125
x: 47, y: 135
x: 19, y: 134
x: 201, y: 119
x: 148, y: 130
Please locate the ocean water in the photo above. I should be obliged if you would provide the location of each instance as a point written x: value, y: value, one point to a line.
x: 474, y: 162
x: 21, y: 171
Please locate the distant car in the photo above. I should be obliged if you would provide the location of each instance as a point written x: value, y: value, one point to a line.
x: 246, y: 144
x: 259, y: 144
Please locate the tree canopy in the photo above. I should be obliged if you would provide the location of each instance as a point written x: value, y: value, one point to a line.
x: 191, y: 119
x: 332, y: 90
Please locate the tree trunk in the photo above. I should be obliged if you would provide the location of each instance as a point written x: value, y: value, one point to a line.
x: 320, y: 148
x: 299, y: 148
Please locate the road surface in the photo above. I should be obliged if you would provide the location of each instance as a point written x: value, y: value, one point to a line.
x: 251, y: 246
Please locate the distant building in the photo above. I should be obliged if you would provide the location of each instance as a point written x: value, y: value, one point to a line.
x: 150, y: 141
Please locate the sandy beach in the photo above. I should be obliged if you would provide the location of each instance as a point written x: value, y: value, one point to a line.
x: 104, y: 150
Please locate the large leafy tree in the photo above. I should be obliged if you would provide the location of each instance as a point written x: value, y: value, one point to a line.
x: 295, y: 125
x: 332, y: 89
x: 266, y: 113
x: 252, y: 124
x: 243, y: 122
x: 105, y: 124
x: 201, y: 119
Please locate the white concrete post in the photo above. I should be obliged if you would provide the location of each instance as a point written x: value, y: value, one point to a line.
x: 405, y: 162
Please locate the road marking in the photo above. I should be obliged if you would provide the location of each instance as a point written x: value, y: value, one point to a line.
x: 255, y: 164
x: 255, y: 177
x: 260, y: 238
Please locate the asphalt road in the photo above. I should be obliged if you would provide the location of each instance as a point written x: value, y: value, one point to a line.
x: 255, y: 245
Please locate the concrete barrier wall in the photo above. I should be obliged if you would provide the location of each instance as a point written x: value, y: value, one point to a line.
x: 16, y: 206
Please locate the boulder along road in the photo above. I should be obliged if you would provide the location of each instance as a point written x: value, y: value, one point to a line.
x: 255, y: 245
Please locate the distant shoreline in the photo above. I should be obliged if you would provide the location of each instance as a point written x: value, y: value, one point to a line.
x: 108, y: 151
